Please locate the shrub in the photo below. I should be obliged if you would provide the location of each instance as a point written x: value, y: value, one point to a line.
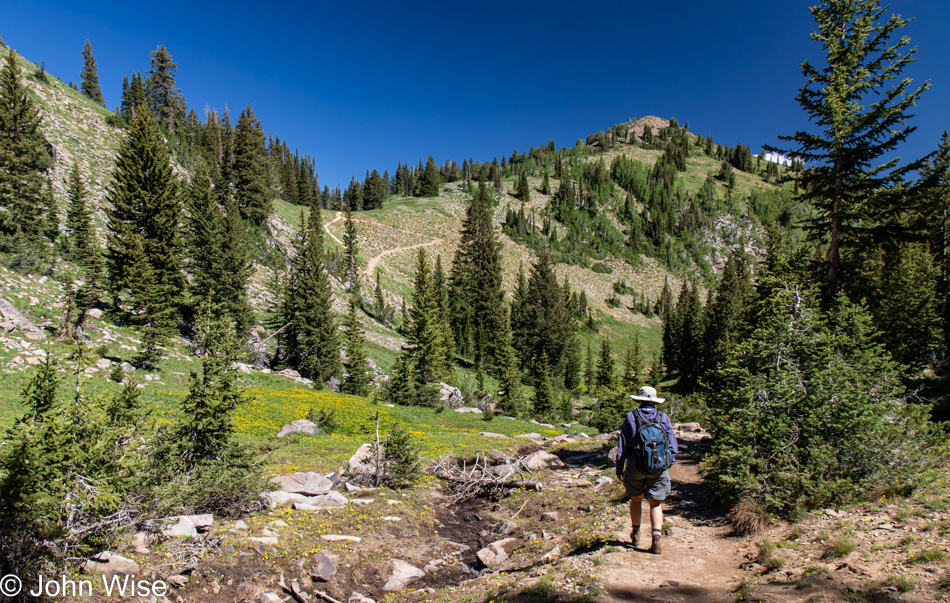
x: 839, y: 547
x: 325, y: 419
x: 812, y: 412
x: 402, y: 458
x: 601, y: 268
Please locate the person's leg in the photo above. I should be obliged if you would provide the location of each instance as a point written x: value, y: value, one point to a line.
x: 656, y: 523
x: 635, y: 512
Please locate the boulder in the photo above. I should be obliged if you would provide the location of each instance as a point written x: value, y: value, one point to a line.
x: 340, y: 537
x: 552, y: 554
x: 140, y: 543
x: 7, y: 326
x: 497, y: 552
x: 549, y: 516
x: 450, y: 396
x: 356, y: 597
x: 280, y: 497
x: 308, y: 483
x: 127, y: 368
x: 111, y: 564
x: 489, y: 434
x: 94, y: 313
x: 467, y: 409
x: 687, y: 426
x: 561, y: 439
x: 603, y: 480
x: 289, y: 373
x: 299, y: 426
x: 271, y: 598
x: 535, y: 437
x: 333, y: 384
x: 271, y: 540
x: 103, y: 363
x: 612, y: 456
x: 536, y: 461
x: 202, y: 522
x: 178, y: 580
x: 365, y: 451
x: 548, y: 425
x: 580, y: 483
x: 180, y: 526
x: 403, y: 575
x: 323, y: 568
x: 325, y: 501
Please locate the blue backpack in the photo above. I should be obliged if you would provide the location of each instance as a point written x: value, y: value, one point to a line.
x: 650, y: 449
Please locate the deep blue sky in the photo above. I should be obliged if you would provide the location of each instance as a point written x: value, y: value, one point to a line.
x: 367, y: 84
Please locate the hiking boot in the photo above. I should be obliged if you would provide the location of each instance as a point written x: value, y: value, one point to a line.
x: 655, y: 548
x: 635, y: 536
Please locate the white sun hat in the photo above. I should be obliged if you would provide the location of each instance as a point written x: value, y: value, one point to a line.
x: 648, y: 394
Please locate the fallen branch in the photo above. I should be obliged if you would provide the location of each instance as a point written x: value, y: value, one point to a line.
x: 481, y: 480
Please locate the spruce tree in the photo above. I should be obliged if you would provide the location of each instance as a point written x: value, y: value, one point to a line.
x: 312, y: 341
x: 22, y: 155
x: 90, y: 76
x: 633, y: 365
x: 476, y: 283
x: 545, y: 397
x: 909, y: 313
x: 78, y: 218
x: 727, y: 318
x: 523, y: 191
x: 859, y: 123
x: 511, y: 399
x: 552, y: 323
x: 356, y: 381
x: 50, y: 212
x: 351, y: 243
x: 545, y: 184
x: 142, y: 247
x: 431, y: 179
x: 165, y: 100
x: 426, y: 331
x: 605, y: 367
x: 589, y: 369
x: 249, y: 174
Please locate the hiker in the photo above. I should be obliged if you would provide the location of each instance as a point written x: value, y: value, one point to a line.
x: 646, y: 451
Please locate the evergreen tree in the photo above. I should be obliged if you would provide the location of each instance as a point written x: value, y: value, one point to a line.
x: 431, y: 179
x: 249, y: 174
x: 520, y: 318
x: 476, y: 283
x: 633, y: 365
x: 909, y: 313
x: 552, y: 324
x: 523, y: 190
x: 605, y: 367
x: 545, y: 397
x: 727, y: 318
x: 22, y: 155
x: 589, y: 369
x: 78, y: 218
x: 545, y: 184
x: 374, y: 191
x: 90, y: 76
x: 165, y: 100
x: 935, y: 218
x: 313, y: 343
x: 656, y: 372
x: 142, y: 245
x: 859, y: 122
x: 426, y: 331
x: 350, y: 242
x: 356, y: 381
x: 50, y: 212
x: 511, y: 400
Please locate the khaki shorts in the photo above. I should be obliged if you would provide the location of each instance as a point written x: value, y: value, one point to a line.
x: 637, y: 484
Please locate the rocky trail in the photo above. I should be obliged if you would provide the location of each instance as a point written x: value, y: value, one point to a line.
x: 374, y: 262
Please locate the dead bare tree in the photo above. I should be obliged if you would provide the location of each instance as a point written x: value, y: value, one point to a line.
x: 482, y: 480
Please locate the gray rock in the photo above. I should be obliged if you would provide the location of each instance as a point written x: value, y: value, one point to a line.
x: 356, y: 597
x: 489, y: 434
x: 364, y: 452
x: 325, y: 501
x: 103, y: 363
x: 289, y: 373
x: 239, y: 525
x: 280, y: 497
x: 111, y: 564
x: 270, y: 598
x: 309, y: 483
x: 178, y: 580
x: 180, y: 526
x: 271, y: 540
x: 536, y: 437
x: 450, y: 396
x: 497, y: 552
x: 468, y: 409
x: 403, y: 575
x: 503, y: 470
x: 539, y: 460
x: 140, y: 543
x: 549, y: 516
x: 202, y: 522
x: 536, y: 422
x: 612, y: 456
x: 127, y: 368
x: 687, y: 426
x: 676, y: 531
x: 333, y: 384
x: 323, y: 568
x: 580, y: 483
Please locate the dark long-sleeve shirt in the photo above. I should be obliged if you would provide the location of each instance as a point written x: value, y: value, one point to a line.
x: 627, y: 432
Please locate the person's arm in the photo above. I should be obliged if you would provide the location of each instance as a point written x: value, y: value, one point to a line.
x: 621, y: 448
x: 674, y: 445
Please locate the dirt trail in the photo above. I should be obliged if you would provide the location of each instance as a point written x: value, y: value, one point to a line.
x: 326, y: 227
x: 700, y: 565
x: 371, y: 265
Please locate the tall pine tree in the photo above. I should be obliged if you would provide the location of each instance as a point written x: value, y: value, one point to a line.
x: 249, y: 175
x: 90, y: 76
